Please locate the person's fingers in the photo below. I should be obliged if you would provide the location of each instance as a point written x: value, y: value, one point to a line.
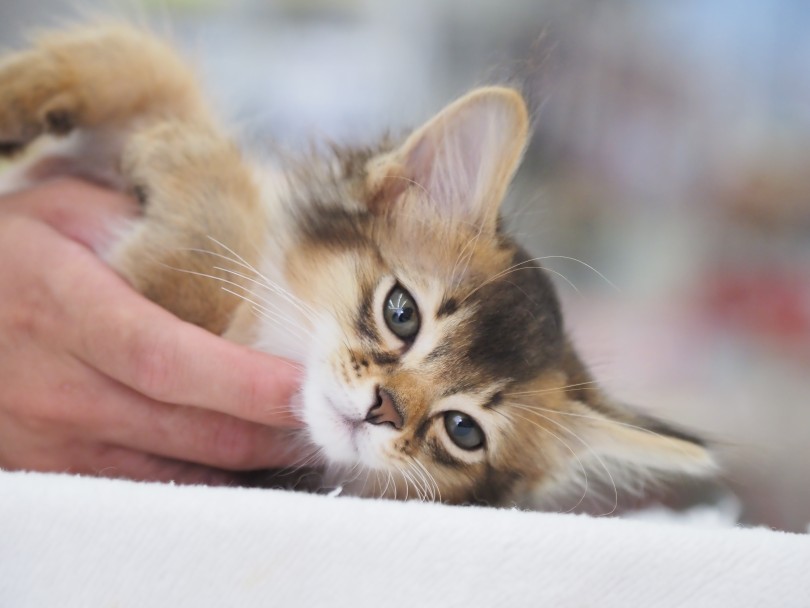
x: 128, y: 464
x: 82, y: 211
x: 149, y: 350
x: 113, y: 329
x: 72, y: 402
x: 112, y: 461
x: 114, y: 414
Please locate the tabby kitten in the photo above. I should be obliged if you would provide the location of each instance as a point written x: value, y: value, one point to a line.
x: 435, y: 355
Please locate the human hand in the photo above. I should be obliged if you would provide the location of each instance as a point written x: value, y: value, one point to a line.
x: 95, y: 379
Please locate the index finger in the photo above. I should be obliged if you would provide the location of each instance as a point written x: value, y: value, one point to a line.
x: 127, y: 337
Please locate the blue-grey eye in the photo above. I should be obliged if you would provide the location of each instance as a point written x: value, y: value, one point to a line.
x: 463, y: 430
x: 401, y: 314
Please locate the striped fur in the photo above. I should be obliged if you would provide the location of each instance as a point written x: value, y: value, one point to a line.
x: 308, y: 251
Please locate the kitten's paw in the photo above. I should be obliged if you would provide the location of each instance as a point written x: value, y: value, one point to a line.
x: 95, y: 76
x: 34, y: 99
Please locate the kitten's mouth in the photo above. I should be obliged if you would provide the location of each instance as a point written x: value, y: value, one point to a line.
x: 351, y: 425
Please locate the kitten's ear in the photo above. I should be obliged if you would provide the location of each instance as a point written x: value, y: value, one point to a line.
x: 463, y: 159
x: 641, y: 443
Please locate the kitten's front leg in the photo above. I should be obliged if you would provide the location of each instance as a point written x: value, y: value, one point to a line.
x: 202, y: 224
x: 34, y: 99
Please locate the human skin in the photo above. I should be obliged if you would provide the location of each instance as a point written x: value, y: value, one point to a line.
x: 95, y: 379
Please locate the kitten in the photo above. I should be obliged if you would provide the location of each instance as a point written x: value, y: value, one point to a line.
x: 436, y: 359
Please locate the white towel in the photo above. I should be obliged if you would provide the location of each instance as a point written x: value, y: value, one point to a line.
x: 68, y: 541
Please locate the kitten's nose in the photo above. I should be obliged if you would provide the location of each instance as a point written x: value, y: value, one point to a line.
x: 384, y: 410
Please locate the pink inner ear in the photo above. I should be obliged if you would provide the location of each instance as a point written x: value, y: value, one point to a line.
x: 446, y: 162
x: 464, y: 158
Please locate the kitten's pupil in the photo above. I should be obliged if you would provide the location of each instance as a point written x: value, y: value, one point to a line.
x: 401, y: 314
x: 463, y: 430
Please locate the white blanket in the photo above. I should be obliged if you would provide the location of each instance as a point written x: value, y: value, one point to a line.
x: 68, y: 541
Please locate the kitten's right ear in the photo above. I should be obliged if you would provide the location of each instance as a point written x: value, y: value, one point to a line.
x: 642, y: 443
x: 462, y: 160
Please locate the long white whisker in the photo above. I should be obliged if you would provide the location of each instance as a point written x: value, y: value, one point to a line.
x: 285, y: 294
x: 565, y: 444
x: 437, y: 491
x: 595, y: 454
x: 419, y: 483
x: 287, y: 324
x: 219, y: 255
x: 387, y: 482
x: 602, y: 419
x: 565, y: 257
x: 406, y: 479
x: 551, y: 390
x: 270, y: 284
x: 426, y: 486
x: 417, y: 486
x: 271, y: 287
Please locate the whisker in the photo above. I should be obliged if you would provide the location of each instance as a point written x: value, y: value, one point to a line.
x: 552, y: 390
x: 430, y: 485
x: 286, y: 324
x: 602, y: 419
x: 235, y: 284
x: 436, y: 490
x: 269, y: 282
x: 385, y: 489
x: 302, y: 462
x: 275, y: 288
x: 594, y: 453
x: 565, y: 444
x: 565, y: 257
x: 404, y: 474
x: 417, y: 485
x: 419, y: 482
x: 365, y: 482
x: 516, y: 268
x: 216, y: 254
x: 359, y: 468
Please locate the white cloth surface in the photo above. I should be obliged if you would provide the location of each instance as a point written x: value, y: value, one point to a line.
x: 68, y: 541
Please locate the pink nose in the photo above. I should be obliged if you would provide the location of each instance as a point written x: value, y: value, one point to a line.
x: 384, y: 411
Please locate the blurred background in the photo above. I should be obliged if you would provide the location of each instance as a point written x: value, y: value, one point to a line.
x: 671, y: 153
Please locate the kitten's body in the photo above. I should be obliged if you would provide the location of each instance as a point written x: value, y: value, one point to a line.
x: 436, y: 359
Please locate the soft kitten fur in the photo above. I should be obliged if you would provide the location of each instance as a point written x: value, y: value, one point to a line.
x: 310, y: 254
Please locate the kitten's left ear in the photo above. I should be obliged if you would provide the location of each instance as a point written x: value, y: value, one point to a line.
x: 463, y: 159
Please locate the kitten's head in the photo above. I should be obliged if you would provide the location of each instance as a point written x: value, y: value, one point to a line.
x: 441, y: 365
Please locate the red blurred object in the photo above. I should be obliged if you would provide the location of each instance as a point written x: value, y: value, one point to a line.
x: 773, y: 306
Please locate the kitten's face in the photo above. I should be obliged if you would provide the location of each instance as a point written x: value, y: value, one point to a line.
x: 422, y: 337
x: 440, y: 367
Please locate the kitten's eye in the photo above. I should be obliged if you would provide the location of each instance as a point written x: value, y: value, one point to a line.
x: 401, y: 314
x: 463, y: 430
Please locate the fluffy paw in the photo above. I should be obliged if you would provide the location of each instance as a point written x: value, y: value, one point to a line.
x: 33, y: 101
x: 96, y: 76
